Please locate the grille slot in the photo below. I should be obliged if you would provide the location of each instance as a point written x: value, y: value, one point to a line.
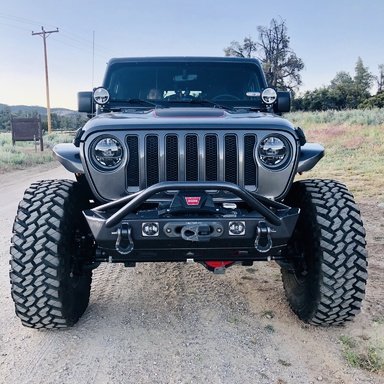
x: 172, y: 158
x: 191, y: 158
x: 152, y: 159
x: 133, y: 176
x: 249, y: 160
x: 211, y: 161
x: 197, y: 156
x: 231, y: 157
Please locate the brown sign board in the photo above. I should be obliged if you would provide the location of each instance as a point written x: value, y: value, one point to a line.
x: 27, y: 129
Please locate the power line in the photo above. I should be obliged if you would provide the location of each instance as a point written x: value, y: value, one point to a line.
x: 45, y: 34
x: 18, y: 19
x: 70, y: 39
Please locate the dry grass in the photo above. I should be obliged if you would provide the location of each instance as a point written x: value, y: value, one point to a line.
x: 354, y: 155
x: 24, y: 155
x: 353, y: 141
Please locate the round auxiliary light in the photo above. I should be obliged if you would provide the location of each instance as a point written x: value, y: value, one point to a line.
x: 107, y: 153
x: 273, y: 152
x: 269, y: 96
x: 101, y: 96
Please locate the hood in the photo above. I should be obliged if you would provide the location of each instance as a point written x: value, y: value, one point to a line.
x: 186, y: 118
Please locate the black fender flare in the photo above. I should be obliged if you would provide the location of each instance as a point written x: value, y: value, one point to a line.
x: 310, y: 154
x: 69, y: 156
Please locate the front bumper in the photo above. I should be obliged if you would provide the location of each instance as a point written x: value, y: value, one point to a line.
x: 126, y: 230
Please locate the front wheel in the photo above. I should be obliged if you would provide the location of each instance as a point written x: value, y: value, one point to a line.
x: 326, y: 281
x: 50, y: 247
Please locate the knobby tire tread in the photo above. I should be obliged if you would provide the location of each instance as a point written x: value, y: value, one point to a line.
x: 333, y: 241
x: 44, y: 294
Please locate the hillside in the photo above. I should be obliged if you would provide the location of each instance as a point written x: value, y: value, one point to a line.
x: 33, y: 109
x: 62, y: 118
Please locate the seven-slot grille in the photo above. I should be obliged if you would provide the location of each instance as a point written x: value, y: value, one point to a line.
x: 198, y: 156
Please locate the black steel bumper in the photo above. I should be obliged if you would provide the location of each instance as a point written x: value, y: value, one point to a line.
x: 127, y: 232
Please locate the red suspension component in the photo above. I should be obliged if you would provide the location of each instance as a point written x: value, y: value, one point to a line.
x: 213, y: 265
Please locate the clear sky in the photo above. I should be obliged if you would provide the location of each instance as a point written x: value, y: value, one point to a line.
x: 329, y: 35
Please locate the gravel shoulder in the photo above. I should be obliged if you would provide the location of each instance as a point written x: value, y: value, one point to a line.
x: 179, y: 323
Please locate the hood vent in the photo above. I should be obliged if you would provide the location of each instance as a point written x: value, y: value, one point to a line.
x: 189, y: 112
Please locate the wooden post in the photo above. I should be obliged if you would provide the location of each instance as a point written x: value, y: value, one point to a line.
x: 44, y: 34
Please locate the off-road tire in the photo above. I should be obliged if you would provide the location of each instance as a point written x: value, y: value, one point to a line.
x: 326, y: 284
x: 50, y: 288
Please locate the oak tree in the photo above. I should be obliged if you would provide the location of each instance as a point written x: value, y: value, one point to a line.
x: 281, y: 65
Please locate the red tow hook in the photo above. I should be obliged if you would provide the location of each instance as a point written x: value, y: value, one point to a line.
x: 217, y: 266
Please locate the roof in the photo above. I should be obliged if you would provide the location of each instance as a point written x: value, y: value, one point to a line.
x: 184, y: 59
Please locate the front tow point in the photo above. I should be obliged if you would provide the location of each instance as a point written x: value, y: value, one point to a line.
x: 124, y: 243
x: 196, y: 232
x: 263, y: 242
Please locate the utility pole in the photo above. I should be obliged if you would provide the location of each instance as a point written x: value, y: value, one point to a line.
x: 44, y: 34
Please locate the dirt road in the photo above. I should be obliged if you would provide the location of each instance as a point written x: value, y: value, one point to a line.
x: 178, y: 323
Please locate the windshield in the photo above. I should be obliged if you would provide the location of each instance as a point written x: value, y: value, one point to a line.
x: 176, y: 82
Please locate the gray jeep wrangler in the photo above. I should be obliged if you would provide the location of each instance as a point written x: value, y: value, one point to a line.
x: 187, y: 159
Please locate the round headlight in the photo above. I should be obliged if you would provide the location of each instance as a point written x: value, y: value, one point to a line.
x: 107, y: 153
x: 273, y: 151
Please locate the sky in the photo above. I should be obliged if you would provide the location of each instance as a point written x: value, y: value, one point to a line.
x: 328, y: 35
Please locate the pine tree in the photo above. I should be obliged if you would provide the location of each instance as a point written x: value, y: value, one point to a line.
x: 363, y: 78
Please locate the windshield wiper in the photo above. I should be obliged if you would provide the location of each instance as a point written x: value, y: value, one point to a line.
x: 142, y: 102
x: 209, y: 103
x: 116, y: 104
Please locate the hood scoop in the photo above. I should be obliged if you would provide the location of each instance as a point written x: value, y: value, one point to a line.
x: 189, y: 112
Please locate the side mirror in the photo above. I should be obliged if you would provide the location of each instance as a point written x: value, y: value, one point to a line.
x: 283, y: 103
x: 85, y: 102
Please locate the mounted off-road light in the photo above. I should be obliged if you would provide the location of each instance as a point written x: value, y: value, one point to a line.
x: 106, y: 153
x: 150, y: 229
x: 274, y: 152
x: 236, y: 228
x: 269, y: 96
x: 101, y: 96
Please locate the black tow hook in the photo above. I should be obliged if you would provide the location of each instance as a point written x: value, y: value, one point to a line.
x: 263, y: 242
x: 124, y: 243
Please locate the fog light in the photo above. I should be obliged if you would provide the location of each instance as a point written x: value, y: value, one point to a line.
x: 269, y: 96
x: 150, y: 229
x: 237, y: 228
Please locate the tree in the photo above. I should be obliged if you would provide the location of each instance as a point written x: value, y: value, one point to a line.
x: 344, y: 91
x: 56, y: 122
x: 320, y: 99
x: 380, y: 79
x: 5, y: 118
x: 281, y: 65
x: 376, y: 101
x: 363, y: 79
x: 246, y: 50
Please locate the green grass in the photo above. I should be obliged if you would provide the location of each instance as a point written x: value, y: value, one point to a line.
x: 364, y: 356
x: 23, y: 154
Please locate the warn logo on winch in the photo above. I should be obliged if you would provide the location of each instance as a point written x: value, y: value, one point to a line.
x: 192, y: 200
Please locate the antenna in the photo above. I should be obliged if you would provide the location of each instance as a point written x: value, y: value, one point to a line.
x: 93, y: 59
